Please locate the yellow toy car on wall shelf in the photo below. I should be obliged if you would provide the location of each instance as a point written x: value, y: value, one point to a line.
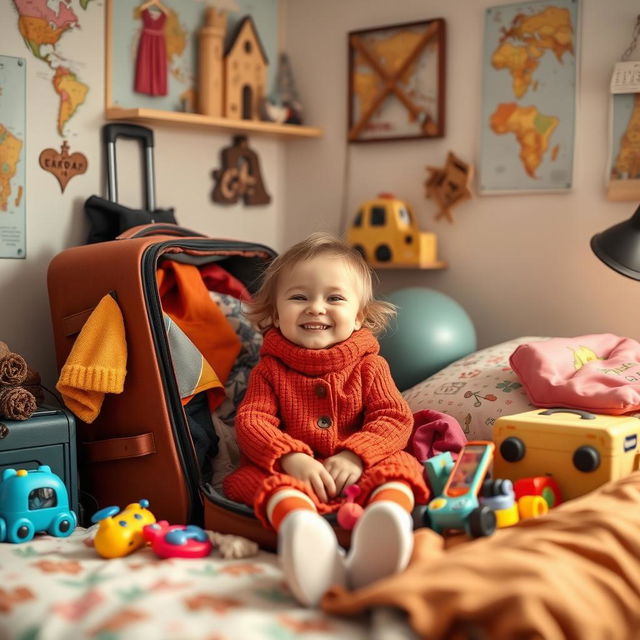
x: 385, y: 232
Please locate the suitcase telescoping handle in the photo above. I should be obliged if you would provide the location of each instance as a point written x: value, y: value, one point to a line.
x: 110, y: 133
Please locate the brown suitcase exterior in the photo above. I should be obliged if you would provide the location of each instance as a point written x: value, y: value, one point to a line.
x: 139, y: 446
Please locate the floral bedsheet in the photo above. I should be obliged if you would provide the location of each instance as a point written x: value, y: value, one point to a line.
x: 60, y: 589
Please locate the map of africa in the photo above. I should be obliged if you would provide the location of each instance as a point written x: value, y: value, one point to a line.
x: 43, y: 24
x: 12, y: 162
x: 529, y: 73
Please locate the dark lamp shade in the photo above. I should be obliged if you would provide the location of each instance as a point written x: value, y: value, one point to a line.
x: 619, y: 246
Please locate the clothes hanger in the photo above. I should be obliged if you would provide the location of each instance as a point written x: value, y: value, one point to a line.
x: 154, y: 3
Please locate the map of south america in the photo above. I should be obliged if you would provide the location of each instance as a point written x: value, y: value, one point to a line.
x: 42, y: 24
x: 10, y: 148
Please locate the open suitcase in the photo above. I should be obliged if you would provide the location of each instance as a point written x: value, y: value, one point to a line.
x: 141, y: 445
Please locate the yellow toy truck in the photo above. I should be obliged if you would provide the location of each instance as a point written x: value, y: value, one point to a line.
x: 385, y: 232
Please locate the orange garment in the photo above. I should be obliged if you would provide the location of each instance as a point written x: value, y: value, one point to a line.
x: 321, y: 402
x: 186, y: 300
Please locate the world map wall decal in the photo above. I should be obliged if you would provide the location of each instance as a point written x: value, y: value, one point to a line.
x: 529, y: 73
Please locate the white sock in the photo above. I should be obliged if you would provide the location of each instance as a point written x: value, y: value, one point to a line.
x: 381, y: 544
x: 310, y: 556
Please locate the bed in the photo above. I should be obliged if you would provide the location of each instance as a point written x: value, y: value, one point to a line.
x: 574, y: 573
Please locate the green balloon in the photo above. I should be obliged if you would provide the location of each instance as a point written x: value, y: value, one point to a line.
x: 430, y: 332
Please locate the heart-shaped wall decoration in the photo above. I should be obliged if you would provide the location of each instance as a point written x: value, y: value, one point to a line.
x: 63, y: 165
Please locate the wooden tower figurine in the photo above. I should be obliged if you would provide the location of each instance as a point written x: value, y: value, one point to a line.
x: 211, y: 64
x: 245, y: 73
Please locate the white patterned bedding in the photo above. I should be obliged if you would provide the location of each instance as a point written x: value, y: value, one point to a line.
x: 60, y: 589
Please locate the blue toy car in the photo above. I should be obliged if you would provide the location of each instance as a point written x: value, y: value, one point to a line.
x: 458, y: 506
x: 33, y: 501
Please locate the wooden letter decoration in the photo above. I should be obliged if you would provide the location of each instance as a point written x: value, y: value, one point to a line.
x: 62, y: 165
x: 240, y: 176
x: 449, y: 185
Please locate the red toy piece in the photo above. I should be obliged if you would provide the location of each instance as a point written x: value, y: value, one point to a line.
x: 349, y: 512
x: 544, y: 486
x: 177, y: 540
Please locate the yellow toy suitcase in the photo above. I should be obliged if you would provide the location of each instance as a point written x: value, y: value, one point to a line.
x: 581, y: 450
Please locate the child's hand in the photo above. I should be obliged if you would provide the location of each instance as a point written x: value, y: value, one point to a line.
x: 309, y: 470
x: 345, y: 469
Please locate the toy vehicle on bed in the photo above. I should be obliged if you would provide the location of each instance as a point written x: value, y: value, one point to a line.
x: 458, y: 505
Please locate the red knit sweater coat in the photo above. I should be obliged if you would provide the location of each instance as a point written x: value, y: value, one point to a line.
x: 321, y: 402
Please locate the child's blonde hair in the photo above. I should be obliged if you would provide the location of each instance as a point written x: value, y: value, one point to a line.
x: 262, y: 309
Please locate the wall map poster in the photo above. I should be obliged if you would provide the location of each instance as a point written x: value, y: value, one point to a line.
x: 529, y: 95
x: 12, y: 156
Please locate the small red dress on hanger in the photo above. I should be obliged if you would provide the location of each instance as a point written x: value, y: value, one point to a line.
x: 151, y: 62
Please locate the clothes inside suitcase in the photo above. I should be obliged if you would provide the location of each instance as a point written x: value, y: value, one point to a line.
x: 211, y: 429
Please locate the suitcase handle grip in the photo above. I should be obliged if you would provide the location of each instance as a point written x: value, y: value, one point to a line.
x: 110, y: 132
x: 159, y: 229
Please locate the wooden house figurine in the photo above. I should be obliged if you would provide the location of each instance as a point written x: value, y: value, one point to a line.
x: 233, y: 81
x: 245, y: 73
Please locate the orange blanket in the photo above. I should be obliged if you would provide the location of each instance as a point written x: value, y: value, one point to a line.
x: 573, y: 574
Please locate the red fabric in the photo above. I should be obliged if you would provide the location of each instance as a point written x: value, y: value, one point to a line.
x: 291, y: 388
x: 216, y: 278
x: 186, y: 300
x: 151, y: 60
x: 434, y: 433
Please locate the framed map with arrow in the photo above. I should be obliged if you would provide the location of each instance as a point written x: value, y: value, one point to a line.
x: 397, y: 82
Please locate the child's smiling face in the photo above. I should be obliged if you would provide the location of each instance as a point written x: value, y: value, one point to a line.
x: 318, y: 302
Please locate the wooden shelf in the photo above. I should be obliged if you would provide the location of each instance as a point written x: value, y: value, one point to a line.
x: 179, y: 119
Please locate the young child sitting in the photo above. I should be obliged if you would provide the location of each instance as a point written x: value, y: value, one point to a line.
x: 321, y: 412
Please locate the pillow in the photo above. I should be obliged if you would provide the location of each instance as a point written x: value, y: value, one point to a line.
x: 597, y: 372
x: 476, y: 390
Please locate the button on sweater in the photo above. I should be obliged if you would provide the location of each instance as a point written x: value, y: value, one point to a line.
x: 320, y: 402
